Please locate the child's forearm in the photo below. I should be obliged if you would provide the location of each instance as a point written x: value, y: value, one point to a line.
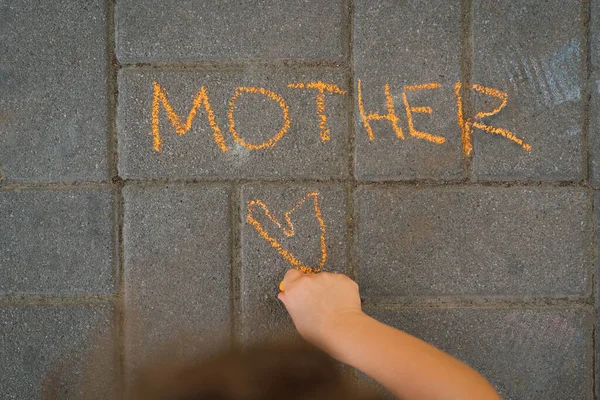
x: 407, y: 366
x: 326, y: 310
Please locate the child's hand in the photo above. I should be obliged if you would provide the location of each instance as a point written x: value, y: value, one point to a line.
x: 319, y: 302
x: 326, y: 310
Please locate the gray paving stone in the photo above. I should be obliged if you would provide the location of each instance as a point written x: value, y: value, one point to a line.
x: 153, y: 30
x: 525, y: 354
x: 299, y: 153
x: 370, y: 383
x: 53, y: 118
x: 177, y: 268
x: 263, y: 266
x: 57, y: 242
x: 533, y: 54
x: 595, y: 34
x: 65, y: 352
x: 597, y: 299
x: 474, y: 241
x: 594, y: 130
x: 405, y: 44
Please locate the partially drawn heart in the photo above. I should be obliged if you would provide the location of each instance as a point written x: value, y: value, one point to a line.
x: 288, y: 230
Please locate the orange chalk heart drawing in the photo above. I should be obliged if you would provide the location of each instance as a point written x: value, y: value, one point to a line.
x: 288, y: 230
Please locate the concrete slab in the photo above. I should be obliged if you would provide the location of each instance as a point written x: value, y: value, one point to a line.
x: 61, y: 352
x: 533, y: 354
x: 595, y: 34
x: 53, y: 117
x: 597, y: 298
x: 185, y: 285
x: 532, y: 53
x: 594, y: 131
x: 263, y: 266
x: 57, y: 242
x: 153, y: 30
x: 474, y: 241
x: 177, y: 267
x: 406, y: 44
x: 298, y: 147
x: 595, y: 163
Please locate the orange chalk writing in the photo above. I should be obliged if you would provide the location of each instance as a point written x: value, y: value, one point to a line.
x: 321, y: 87
x: 390, y: 116
x: 431, y: 85
x: 201, y: 98
x: 288, y: 230
x: 426, y: 110
x: 257, y: 90
x: 467, y: 124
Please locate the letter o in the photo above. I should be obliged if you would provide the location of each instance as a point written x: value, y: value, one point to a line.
x: 273, y: 140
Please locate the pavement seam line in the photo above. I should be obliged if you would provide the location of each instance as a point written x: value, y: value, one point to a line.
x: 235, y: 226
x: 301, y: 181
x: 466, y: 71
x: 238, y: 66
x: 586, y: 83
x: 113, y: 161
x: 586, y: 161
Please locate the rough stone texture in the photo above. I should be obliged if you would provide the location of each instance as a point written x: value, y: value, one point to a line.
x: 526, y: 354
x: 475, y: 241
x: 595, y: 34
x: 407, y: 44
x: 595, y: 131
x: 299, y: 153
x: 154, y: 30
x: 53, y: 119
x: 498, y: 274
x: 177, y: 268
x: 263, y: 266
x: 57, y: 242
x: 597, y: 299
x: 65, y: 350
x: 533, y: 53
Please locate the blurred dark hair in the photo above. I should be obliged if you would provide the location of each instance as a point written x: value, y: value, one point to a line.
x: 274, y: 371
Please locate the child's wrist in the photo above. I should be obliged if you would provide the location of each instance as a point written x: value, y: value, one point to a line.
x: 339, y: 330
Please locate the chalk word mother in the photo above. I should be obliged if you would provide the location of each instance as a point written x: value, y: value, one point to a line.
x: 467, y: 123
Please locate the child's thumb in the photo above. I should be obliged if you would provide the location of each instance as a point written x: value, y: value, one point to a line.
x: 281, y: 296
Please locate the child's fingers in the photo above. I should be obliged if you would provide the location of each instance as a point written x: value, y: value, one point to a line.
x: 281, y: 297
x: 290, y: 276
